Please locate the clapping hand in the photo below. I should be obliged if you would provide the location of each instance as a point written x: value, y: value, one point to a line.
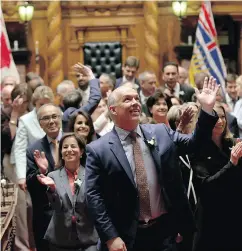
x: 47, y: 181
x: 236, y: 153
x: 207, y: 97
x: 116, y: 244
x: 185, y: 119
x: 85, y: 70
x: 41, y: 161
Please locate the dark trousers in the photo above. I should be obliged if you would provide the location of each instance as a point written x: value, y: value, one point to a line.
x: 41, y: 222
x: 158, y: 237
x: 55, y: 248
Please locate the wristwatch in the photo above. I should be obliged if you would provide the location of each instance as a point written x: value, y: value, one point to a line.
x: 12, y: 122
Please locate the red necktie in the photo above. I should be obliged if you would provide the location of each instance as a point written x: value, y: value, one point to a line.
x: 141, y: 179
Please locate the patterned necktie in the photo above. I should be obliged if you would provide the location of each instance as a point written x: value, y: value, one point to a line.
x: 141, y: 179
x: 55, y: 143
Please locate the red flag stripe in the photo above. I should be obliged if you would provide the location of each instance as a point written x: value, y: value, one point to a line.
x: 212, y: 45
x: 212, y: 29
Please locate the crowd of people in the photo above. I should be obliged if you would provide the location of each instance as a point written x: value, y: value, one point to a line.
x: 125, y: 164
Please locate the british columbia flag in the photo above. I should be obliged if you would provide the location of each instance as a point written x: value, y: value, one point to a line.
x: 207, y: 56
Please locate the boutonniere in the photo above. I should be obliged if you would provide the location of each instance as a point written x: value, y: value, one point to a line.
x: 77, y: 184
x: 151, y: 142
x: 181, y: 93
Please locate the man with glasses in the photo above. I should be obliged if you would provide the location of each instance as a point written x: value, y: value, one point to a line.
x: 47, y: 148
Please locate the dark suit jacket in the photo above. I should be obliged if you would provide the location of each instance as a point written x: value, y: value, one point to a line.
x: 119, y: 82
x: 66, y: 205
x: 42, y: 210
x: 111, y: 193
x: 93, y: 101
x: 233, y: 125
x: 219, y: 206
x: 186, y: 93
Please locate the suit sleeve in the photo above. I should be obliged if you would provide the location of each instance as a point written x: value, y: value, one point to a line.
x: 209, y: 185
x: 34, y: 186
x: 21, y: 144
x: 202, y: 134
x: 53, y: 197
x: 94, y: 182
x: 95, y: 97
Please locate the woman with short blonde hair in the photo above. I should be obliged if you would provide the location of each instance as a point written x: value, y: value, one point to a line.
x: 42, y: 92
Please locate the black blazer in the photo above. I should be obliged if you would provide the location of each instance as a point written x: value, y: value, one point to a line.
x: 111, y: 192
x: 35, y: 188
x: 219, y: 207
x: 42, y: 211
x: 233, y: 125
x: 186, y: 93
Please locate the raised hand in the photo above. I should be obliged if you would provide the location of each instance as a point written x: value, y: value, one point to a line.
x: 41, y: 161
x: 185, y: 119
x: 16, y: 105
x: 236, y: 153
x: 85, y: 70
x: 207, y: 97
x: 47, y: 181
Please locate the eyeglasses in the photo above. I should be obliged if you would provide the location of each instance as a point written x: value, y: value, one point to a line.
x: 47, y: 119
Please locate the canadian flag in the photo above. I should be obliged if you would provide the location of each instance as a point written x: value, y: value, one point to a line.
x: 7, y: 65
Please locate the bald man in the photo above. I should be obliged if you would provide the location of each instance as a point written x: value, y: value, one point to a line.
x: 9, y: 80
x: 183, y: 75
x: 6, y: 96
x: 134, y: 188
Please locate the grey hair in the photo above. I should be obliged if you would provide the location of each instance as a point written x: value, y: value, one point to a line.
x: 239, y: 81
x: 111, y: 80
x: 46, y: 105
x: 61, y: 87
x: 143, y: 76
x: 112, y: 99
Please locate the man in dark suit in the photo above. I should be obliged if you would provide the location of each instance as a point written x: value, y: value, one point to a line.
x: 172, y: 87
x: 133, y: 183
x: 130, y: 69
x: 49, y: 117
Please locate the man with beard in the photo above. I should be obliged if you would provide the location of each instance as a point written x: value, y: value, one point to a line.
x: 83, y: 87
x: 6, y: 96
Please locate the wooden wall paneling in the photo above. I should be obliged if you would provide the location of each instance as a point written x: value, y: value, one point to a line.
x: 151, y: 37
x: 82, y: 35
x: 136, y: 43
x: 38, y: 28
x: 55, y: 44
x: 169, y: 37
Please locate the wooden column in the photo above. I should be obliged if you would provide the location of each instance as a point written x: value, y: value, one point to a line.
x: 151, y: 35
x: 55, y: 41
